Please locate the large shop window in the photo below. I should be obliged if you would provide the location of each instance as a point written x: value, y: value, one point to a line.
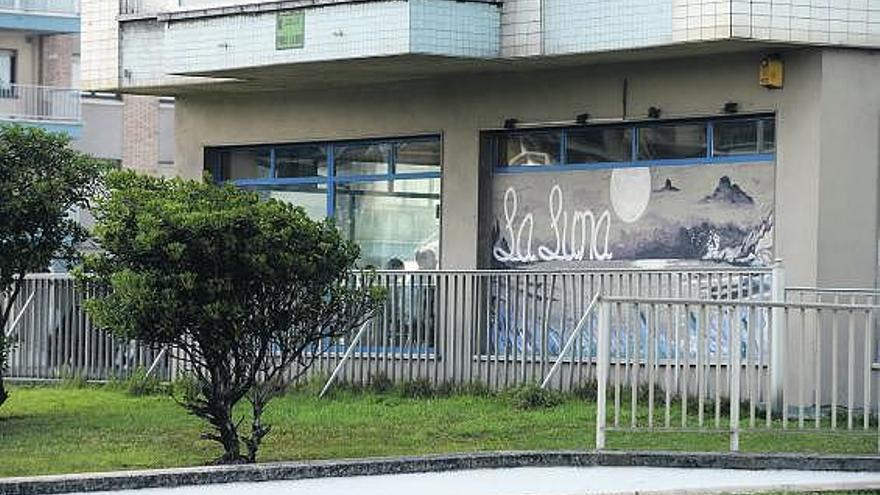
x: 384, y: 194
x: 654, y: 143
x: 661, y: 193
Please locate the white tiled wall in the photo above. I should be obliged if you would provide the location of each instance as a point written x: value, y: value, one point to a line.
x: 454, y: 28
x: 836, y: 22
x: 99, y: 42
x: 592, y: 25
x: 344, y: 31
x: 521, y: 28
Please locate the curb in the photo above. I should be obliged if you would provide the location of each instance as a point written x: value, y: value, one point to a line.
x: 167, y: 478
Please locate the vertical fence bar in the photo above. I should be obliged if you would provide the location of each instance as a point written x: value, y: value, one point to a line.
x: 734, y: 382
x: 602, y: 371
x: 777, y: 358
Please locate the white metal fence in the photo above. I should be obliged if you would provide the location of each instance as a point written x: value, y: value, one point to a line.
x: 41, y: 103
x: 52, y: 337
x: 49, y: 6
x: 694, y: 364
x: 499, y: 328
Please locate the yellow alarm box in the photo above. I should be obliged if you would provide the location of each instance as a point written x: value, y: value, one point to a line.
x: 771, y: 73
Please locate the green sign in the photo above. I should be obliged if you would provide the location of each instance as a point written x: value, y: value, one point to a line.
x: 290, y: 30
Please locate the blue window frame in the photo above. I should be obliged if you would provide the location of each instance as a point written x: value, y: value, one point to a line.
x: 383, y: 193
x: 735, y: 139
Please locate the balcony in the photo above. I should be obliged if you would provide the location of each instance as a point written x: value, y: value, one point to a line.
x: 56, y: 109
x: 229, y: 41
x: 44, y: 16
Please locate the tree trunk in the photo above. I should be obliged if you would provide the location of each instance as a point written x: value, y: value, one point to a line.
x: 3, y: 393
x: 227, y: 433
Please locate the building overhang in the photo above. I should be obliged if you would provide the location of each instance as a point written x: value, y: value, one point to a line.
x: 40, y: 22
x: 373, y: 71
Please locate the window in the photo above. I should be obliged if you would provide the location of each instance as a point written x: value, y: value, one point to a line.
x: 301, y: 161
x: 244, y: 163
x: 311, y: 197
x: 531, y: 149
x: 362, y: 159
x: 739, y: 138
x: 672, y: 141
x: 596, y: 145
x: 418, y: 156
x: 383, y: 194
x: 767, y: 133
x: 7, y: 73
x: 394, y: 222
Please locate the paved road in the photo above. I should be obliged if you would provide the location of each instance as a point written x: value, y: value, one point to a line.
x: 543, y: 481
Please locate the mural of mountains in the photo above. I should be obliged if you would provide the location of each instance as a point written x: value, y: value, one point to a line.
x: 667, y: 187
x: 729, y: 193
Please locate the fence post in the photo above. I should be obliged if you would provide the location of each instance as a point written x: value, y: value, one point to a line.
x: 604, y: 343
x: 734, y: 372
x: 778, y: 342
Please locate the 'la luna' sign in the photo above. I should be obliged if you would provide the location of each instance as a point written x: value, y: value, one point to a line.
x: 700, y: 214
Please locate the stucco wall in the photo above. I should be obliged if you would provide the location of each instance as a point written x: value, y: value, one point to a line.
x: 850, y: 159
x: 459, y: 108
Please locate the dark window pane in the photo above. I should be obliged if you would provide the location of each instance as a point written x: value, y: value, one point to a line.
x: 531, y: 149
x: 301, y: 161
x: 418, y: 156
x: 599, y: 145
x: 738, y: 137
x: 244, y: 163
x: 672, y: 141
x: 362, y: 159
x: 768, y: 136
x: 311, y: 197
x: 395, y: 223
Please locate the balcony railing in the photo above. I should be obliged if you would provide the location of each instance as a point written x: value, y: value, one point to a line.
x: 39, y: 103
x: 42, y: 6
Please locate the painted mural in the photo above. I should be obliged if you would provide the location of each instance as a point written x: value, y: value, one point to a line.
x: 658, y: 216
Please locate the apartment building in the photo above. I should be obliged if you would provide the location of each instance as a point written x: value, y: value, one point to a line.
x: 525, y: 134
x: 40, y: 86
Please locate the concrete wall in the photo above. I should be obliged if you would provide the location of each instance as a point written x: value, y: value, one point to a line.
x: 101, y: 134
x: 27, y: 50
x: 808, y: 236
x: 848, y: 175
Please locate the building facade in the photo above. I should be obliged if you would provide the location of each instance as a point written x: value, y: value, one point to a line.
x: 40, y: 86
x: 530, y: 133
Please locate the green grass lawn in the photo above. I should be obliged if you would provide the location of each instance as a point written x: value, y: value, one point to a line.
x: 47, y: 430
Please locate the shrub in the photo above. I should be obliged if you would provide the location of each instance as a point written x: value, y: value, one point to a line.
x: 585, y: 391
x: 42, y: 179
x: 379, y: 383
x: 70, y: 380
x: 139, y: 384
x: 476, y: 389
x: 421, y: 388
x: 246, y: 289
x: 528, y: 397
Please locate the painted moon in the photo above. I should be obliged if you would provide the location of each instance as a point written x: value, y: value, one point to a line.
x: 630, y: 192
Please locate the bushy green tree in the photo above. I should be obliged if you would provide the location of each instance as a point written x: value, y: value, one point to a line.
x: 42, y: 180
x: 248, y: 292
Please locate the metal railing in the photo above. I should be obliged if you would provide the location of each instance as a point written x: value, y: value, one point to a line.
x: 70, y: 7
x: 499, y: 328
x: 39, y: 103
x: 52, y: 338
x: 505, y: 328
x: 694, y: 364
